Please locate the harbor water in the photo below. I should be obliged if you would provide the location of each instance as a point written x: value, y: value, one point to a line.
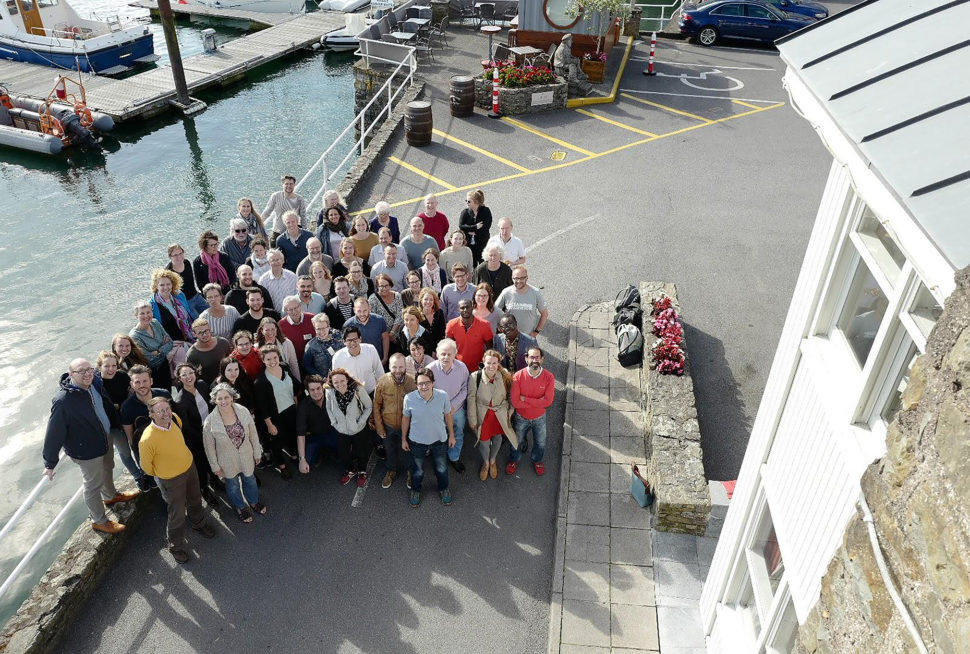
x: 82, y: 233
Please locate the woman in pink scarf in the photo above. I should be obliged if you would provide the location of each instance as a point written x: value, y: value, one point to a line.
x: 212, y: 266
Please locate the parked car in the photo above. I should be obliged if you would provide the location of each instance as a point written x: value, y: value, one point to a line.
x: 738, y: 19
x: 800, y: 7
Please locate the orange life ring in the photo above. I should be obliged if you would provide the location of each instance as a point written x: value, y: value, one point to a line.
x: 84, y: 114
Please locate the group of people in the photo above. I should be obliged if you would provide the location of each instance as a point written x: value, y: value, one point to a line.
x: 286, y: 342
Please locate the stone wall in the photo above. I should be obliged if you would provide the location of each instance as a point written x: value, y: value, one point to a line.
x: 674, y: 456
x: 919, y: 496
x: 514, y: 102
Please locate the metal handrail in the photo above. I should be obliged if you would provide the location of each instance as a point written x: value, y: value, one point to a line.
x: 667, y: 12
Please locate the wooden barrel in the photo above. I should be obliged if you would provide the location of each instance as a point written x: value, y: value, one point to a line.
x: 418, y: 123
x: 462, y: 95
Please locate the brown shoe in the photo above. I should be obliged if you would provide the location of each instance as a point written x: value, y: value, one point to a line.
x: 109, y: 527
x: 180, y: 555
x: 483, y: 474
x: 493, y: 470
x: 121, y: 497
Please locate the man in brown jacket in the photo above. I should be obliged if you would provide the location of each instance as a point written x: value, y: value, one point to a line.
x: 388, y: 409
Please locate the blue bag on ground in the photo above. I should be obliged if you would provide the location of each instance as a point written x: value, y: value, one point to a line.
x: 640, y: 488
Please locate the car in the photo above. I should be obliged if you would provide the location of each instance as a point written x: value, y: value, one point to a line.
x: 738, y: 19
x: 800, y: 7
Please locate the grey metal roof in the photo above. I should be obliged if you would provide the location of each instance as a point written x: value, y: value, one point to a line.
x: 895, y: 77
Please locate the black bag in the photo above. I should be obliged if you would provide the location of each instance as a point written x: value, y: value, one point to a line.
x: 628, y: 311
x: 628, y: 297
x: 629, y: 342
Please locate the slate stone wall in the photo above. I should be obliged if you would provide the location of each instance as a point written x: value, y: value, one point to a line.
x: 513, y: 102
x: 919, y: 496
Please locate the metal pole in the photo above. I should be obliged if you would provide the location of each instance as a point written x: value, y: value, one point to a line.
x: 174, y: 55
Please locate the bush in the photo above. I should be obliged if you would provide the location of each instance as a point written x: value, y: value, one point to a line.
x: 512, y: 77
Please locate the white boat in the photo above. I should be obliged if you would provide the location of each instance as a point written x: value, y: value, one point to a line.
x: 347, y: 6
x: 50, y: 33
x: 262, y: 6
x: 345, y: 38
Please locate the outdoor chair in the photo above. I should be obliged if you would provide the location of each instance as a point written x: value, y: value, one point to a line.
x: 510, y: 12
x: 463, y: 11
x: 486, y: 15
x: 424, y: 47
x: 440, y: 31
x: 501, y: 53
x: 410, y: 12
x: 392, y: 21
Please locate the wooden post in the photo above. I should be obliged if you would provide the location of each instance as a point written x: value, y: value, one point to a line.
x: 175, y: 57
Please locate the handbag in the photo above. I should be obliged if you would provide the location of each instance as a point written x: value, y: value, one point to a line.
x: 640, y: 488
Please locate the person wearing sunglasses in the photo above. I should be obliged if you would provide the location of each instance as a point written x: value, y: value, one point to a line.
x: 238, y: 245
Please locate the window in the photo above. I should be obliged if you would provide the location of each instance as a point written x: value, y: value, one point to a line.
x: 862, y: 312
x: 765, y: 562
x: 554, y: 11
x: 748, y: 610
x: 729, y: 10
x: 899, y: 386
x: 881, y: 246
x: 759, y: 12
x: 925, y: 310
x: 786, y: 633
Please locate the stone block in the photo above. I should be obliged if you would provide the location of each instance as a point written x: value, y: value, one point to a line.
x: 588, y: 543
x: 591, y: 449
x: 586, y: 476
x: 585, y: 623
x: 634, y: 626
x: 588, y: 509
x: 565, y: 466
x: 516, y: 102
x: 625, y: 512
x: 559, y: 556
x: 632, y: 584
x: 631, y: 546
x: 586, y: 581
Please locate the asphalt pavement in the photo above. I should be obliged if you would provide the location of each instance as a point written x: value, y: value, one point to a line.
x: 688, y: 178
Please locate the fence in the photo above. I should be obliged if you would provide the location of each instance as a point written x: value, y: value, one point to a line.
x: 655, y: 16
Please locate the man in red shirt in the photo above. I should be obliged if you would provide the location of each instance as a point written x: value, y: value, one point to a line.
x: 296, y: 325
x: 532, y: 392
x: 435, y: 222
x: 473, y: 335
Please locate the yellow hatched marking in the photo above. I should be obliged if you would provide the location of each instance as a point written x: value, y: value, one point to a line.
x: 665, y: 107
x: 427, y: 176
x: 540, y: 134
x: 746, y: 104
x: 553, y: 167
x: 479, y: 150
x: 615, y: 123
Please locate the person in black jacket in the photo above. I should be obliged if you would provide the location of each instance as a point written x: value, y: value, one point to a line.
x: 81, y: 419
x: 277, y: 417
x: 476, y: 221
x: 191, y: 402
x: 205, y: 265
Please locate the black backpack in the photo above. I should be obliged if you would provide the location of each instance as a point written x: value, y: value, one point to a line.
x: 629, y: 342
x: 627, y: 306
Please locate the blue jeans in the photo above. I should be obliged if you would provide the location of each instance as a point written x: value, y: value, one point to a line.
x: 124, y: 451
x: 522, y: 428
x: 198, y: 303
x: 459, y: 423
x: 394, y: 460
x: 315, y: 443
x: 439, y: 454
x: 249, y: 488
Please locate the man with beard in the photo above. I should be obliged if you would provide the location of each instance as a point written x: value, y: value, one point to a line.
x: 388, y: 410
x: 473, y: 335
x: 250, y: 320
x: 533, y: 389
x: 245, y: 281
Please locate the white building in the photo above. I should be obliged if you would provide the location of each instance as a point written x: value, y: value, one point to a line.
x: 886, y: 86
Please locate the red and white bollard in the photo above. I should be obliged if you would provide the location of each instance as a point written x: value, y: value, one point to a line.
x: 494, y: 113
x: 653, y: 51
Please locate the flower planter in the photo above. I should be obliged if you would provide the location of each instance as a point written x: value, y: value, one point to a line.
x: 526, y: 100
x: 594, y: 70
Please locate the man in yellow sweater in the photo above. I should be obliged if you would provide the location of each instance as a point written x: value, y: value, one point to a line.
x: 165, y: 456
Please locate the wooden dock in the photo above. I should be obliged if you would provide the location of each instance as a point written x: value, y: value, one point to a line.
x: 149, y: 93
x: 256, y: 19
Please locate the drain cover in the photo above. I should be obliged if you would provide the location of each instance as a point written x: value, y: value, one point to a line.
x: 558, y: 155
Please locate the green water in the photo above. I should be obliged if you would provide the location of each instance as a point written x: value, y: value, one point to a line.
x: 81, y: 234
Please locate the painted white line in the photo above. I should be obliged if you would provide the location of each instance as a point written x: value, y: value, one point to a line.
x: 681, y: 63
x: 560, y: 232
x: 694, y: 95
x: 359, y: 495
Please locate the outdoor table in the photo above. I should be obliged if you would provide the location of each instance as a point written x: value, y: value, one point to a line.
x: 490, y: 30
x: 403, y: 37
x: 524, y: 52
x: 424, y: 11
x: 418, y: 23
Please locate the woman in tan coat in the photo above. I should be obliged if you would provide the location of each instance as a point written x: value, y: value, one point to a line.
x: 232, y: 447
x: 490, y: 412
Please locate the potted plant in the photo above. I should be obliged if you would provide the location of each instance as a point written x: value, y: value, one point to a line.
x: 600, y: 16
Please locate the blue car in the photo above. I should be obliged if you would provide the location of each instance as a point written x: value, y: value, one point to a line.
x: 738, y: 19
x: 810, y: 9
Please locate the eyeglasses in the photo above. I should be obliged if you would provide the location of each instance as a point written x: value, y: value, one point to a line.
x: 351, y: 340
x: 239, y: 231
x: 425, y: 383
x: 84, y: 371
x: 519, y: 279
x: 242, y: 343
x: 202, y: 332
x: 384, y: 286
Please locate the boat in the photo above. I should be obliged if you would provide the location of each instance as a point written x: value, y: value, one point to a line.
x: 344, y: 39
x: 50, y: 33
x: 48, y: 126
x: 346, y: 6
x: 261, y: 6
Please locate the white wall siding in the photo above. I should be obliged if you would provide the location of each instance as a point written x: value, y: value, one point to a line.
x: 810, y: 487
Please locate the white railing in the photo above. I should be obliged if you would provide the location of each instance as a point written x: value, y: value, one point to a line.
x: 649, y: 22
x: 405, y: 62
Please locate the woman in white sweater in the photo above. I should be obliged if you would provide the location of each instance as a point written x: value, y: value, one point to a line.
x: 232, y: 448
x: 349, y: 406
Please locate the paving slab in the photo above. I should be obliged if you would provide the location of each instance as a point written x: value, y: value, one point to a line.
x: 585, y: 623
x: 589, y: 476
x: 620, y: 476
x: 592, y: 377
x: 583, y: 649
x: 632, y: 584
x: 680, y: 626
x: 592, y: 423
x: 588, y: 543
x: 675, y: 547
x: 627, y: 449
x: 705, y: 551
x: 586, y: 581
x: 676, y: 584
x: 588, y: 509
x: 634, y: 626
x: 625, y: 512
x: 590, y: 449
x: 631, y: 546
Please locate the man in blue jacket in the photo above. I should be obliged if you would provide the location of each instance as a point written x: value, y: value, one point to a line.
x: 81, y: 420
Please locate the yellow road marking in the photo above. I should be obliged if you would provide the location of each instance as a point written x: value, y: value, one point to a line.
x: 533, y: 130
x: 666, y: 108
x: 616, y: 123
x: 746, y: 104
x: 479, y: 150
x: 418, y: 171
x: 551, y: 168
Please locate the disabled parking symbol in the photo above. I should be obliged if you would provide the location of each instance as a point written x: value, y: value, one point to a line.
x: 703, y: 77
